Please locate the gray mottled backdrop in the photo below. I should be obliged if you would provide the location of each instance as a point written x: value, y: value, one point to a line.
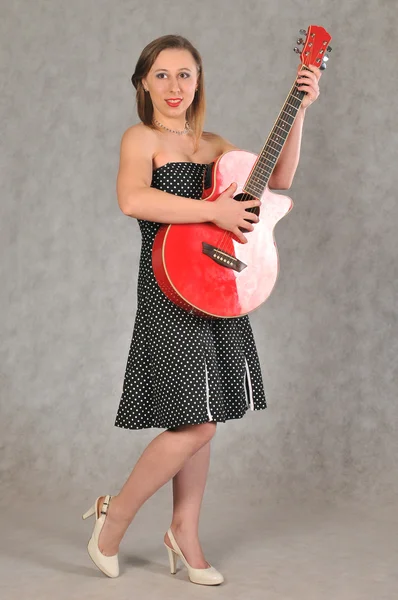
x: 327, y: 337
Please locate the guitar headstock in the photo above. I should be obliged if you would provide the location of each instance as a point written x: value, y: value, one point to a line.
x: 316, y: 47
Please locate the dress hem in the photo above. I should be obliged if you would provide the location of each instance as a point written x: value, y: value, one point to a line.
x: 262, y: 407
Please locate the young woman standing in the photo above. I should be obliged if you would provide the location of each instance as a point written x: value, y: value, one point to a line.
x: 184, y: 374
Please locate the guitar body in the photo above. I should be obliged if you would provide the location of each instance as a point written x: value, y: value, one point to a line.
x: 206, y: 270
x: 203, y: 268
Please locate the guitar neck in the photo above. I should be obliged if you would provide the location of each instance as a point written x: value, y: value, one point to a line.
x: 268, y: 157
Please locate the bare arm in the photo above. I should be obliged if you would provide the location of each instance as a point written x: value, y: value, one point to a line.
x: 135, y: 196
x: 286, y: 166
x: 285, y: 169
x: 137, y: 199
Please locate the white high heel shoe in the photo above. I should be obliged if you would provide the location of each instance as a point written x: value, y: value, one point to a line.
x: 107, y: 564
x: 208, y: 576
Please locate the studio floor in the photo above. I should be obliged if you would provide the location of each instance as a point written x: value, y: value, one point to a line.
x: 320, y: 552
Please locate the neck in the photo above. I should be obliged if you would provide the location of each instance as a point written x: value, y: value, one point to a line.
x: 177, y: 122
x: 270, y: 153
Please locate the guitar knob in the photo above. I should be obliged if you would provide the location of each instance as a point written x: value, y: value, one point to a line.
x: 329, y: 48
x: 300, y: 41
x: 296, y: 50
x: 323, y: 66
x: 303, y: 32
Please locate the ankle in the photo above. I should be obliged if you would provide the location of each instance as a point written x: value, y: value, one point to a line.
x: 117, y: 510
x: 184, y: 528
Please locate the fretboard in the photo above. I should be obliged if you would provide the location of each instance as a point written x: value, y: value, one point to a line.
x: 268, y: 157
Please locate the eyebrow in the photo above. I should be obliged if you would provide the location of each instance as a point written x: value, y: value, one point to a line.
x: 182, y: 69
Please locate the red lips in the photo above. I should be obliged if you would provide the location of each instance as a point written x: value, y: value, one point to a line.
x: 174, y: 101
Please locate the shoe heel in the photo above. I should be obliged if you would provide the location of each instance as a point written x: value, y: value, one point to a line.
x: 172, y: 560
x: 91, y: 511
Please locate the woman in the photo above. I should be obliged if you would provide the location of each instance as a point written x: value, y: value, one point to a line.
x: 184, y: 373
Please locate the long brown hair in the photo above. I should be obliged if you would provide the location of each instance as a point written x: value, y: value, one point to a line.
x: 196, y: 112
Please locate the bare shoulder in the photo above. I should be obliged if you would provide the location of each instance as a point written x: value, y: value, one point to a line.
x: 139, y: 137
x: 219, y: 143
x: 137, y: 148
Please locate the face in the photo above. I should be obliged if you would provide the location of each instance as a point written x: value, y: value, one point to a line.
x: 172, y: 82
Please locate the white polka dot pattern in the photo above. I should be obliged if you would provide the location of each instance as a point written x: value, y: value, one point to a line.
x: 183, y: 369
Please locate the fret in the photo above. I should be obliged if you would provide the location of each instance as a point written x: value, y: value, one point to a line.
x: 286, y: 116
x: 292, y: 105
x: 283, y: 133
x: 260, y: 176
x: 253, y: 191
x: 297, y: 97
x: 267, y: 150
x: 289, y: 113
x: 296, y: 100
x: 260, y: 179
x: 259, y: 182
x: 289, y: 119
x: 274, y: 139
x: 272, y: 161
x: 287, y: 122
x: 296, y: 94
x: 270, y: 146
x: 263, y: 169
x: 276, y: 142
x: 276, y: 154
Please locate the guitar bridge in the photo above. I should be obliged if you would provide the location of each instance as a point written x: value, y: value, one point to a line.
x: 223, y: 258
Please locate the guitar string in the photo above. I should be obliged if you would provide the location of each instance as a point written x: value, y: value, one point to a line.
x: 223, y: 244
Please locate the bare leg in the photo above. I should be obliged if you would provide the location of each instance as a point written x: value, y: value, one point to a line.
x: 188, y: 489
x: 160, y: 461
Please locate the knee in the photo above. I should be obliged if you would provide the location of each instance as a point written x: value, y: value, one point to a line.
x: 202, y: 433
x: 206, y: 431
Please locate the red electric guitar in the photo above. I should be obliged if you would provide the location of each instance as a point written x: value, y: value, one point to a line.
x: 205, y: 269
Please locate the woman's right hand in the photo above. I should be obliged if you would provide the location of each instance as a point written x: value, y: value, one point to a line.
x: 230, y: 214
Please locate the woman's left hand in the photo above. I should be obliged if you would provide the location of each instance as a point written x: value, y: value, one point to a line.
x: 307, y: 81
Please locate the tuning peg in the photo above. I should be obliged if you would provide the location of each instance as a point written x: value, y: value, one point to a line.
x: 300, y: 41
x: 329, y: 48
x: 296, y: 50
x: 326, y: 58
x: 303, y: 32
x: 323, y: 66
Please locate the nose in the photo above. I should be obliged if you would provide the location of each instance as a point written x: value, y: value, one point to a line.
x: 174, y: 85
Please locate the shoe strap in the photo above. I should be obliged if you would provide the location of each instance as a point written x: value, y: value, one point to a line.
x: 173, y: 541
x: 105, y: 504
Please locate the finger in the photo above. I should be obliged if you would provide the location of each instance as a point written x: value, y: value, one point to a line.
x: 240, y: 235
x: 251, y: 217
x: 251, y: 203
x: 309, y: 89
x: 306, y: 77
x: 230, y: 189
x: 311, y: 68
x: 246, y: 226
x: 317, y: 72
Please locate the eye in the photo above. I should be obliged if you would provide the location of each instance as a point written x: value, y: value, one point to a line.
x: 159, y: 75
x: 187, y: 75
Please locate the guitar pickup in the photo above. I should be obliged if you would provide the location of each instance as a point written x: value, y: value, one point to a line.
x: 223, y: 258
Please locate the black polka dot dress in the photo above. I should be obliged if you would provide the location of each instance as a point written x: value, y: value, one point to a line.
x: 184, y: 369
